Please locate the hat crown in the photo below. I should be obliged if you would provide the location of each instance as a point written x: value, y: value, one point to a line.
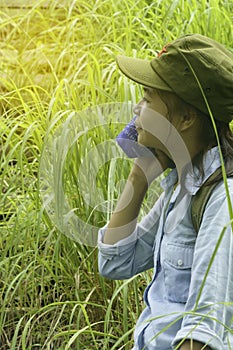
x: 197, y: 69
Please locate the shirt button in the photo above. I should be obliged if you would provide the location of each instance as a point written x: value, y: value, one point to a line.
x: 180, y: 262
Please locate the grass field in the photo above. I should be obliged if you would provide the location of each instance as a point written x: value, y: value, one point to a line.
x: 57, y: 58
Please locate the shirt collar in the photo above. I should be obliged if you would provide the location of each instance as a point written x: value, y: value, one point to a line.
x: 194, y: 179
x: 169, y: 180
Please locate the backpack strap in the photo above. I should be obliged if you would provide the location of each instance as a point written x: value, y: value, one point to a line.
x: 201, y: 198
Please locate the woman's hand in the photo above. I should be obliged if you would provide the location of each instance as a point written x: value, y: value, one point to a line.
x: 150, y: 167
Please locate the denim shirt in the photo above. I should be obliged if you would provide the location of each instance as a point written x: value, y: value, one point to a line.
x: 182, y: 301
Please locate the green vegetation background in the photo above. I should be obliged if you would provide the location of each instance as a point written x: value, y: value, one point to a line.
x: 57, y: 57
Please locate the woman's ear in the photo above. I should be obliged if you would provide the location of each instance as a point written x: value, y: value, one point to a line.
x: 188, y: 119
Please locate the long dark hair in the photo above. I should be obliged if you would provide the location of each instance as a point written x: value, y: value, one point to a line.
x: 226, y: 142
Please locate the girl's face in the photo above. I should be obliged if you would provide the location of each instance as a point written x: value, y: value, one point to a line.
x: 153, y: 125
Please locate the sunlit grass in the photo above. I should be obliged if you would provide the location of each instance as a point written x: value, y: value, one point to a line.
x: 54, y: 61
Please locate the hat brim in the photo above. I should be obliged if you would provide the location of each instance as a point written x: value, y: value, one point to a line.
x: 141, y: 72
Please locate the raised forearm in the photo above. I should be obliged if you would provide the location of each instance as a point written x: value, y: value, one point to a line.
x: 124, y: 218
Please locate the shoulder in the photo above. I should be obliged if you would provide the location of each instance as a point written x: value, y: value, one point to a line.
x: 221, y: 190
x: 218, y: 206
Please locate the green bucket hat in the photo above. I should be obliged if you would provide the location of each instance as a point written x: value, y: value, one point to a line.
x: 184, y: 65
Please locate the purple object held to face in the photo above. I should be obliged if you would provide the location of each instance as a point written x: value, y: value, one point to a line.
x: 127, y: 140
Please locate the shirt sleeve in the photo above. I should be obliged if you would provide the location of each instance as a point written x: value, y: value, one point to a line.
x: 133, y: 254
x: 209, y: 309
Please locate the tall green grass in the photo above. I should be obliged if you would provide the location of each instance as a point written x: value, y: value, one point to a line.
x: 56, y: 58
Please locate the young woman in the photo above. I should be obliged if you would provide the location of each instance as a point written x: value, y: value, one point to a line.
x: 189, y: 302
